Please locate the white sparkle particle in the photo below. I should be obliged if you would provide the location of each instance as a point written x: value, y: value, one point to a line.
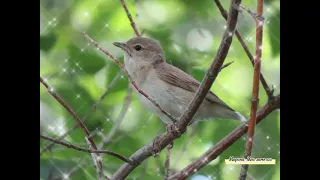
x: 278, y: 152
x: 49, y: 22
x: 51, y: 89
x: 82, y: 50
x: 250, y: 38
x: 130, y: 109
x: 195, y: 170
x: 200, y: 140
x: 78, y: 96
x: 66, y: 60
x: 178, y: 9
x: 230, y: 33
x: 250, y: 139
x: 86, y: 13
x: 45, y: 79
x: 77, y: 64
x: 65, y: 176
x: 99, y: 158
x: 260, y: 47
x: 51, y: 128
x: 73, y: 70
x: 118, y: 30
x: 224, y: 27
x: 268, y: 9
x: 268, y: 137
x: 269, y: 148
x: 268, y: 22
x: 205, y: 56
x: 260, y: 23
x: 107, y: 25
x: 54, y: 19
x: 122, y: 77
x: 254, y: 57
x: 64, y: 70
x: 108, y: 119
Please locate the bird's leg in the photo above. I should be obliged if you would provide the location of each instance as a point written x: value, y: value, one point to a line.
x: 173, y: 130
x: 155, y: 150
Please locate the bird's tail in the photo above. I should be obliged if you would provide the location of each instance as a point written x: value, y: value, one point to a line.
x: 240, y: 117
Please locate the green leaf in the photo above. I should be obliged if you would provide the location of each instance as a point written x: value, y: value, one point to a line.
x: 89, y: 61
x: 47, y: 41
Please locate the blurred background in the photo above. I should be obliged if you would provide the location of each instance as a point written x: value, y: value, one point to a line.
x: 190, y: 33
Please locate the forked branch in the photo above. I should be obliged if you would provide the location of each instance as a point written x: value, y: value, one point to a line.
x: 75, y: 116
x: 225, y: 143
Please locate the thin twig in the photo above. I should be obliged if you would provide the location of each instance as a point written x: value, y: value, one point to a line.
x: 167, y: 163
x: 264, y: 83
x: 123, y: 112
x: 256, y: 16
x: 74, y: 115
x: 69, y: 145
x: 226, y: 65
x: 117, y: 61
x: 133, y: 25
x: 255, y: 90
x: 97, y: 159
x: 225, y: 143
x: 94, y: 107
x: 165, y: 139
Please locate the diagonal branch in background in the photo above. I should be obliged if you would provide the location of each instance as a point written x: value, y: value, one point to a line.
x: 133, y: 25
x: 167, y: 163
x: 96, y: 159
x: 246, y: 49
x: 69, y: 145
x: 255, y: 90
x: 225, y: 143
x: 94, y: 107
x: 165, y: 139
x: 117, y: 61
x: 118, y: 121
x: 73, y: 114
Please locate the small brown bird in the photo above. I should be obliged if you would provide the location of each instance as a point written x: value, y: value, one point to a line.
x: 172, y: 88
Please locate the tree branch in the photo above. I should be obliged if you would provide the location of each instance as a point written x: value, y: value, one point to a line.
x: 117, y: 61
x: 255, y: 90
x: 264, y: 83
x: 133, y: 25
x: 167, y: 138
x: 96, y: 159
x: 167, y: 163
x: 94, y: 107
x: 74, y: 115
x: 225, y: 143
x: 69, y: 145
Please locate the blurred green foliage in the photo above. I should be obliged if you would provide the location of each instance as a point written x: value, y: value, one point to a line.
x: 190, y: 33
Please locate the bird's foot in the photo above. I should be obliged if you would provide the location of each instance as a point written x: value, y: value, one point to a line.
x: 155, y: 149
x: 173, y: 130
x: 170, y: 146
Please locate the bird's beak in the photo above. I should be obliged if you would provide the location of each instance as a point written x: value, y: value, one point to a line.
x: 123, y: 46
x: 120, y: 45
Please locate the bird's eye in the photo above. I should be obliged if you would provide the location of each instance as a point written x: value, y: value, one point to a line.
x: 138, y: 47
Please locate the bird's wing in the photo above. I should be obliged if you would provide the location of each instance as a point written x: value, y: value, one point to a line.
x: 179, y: 78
